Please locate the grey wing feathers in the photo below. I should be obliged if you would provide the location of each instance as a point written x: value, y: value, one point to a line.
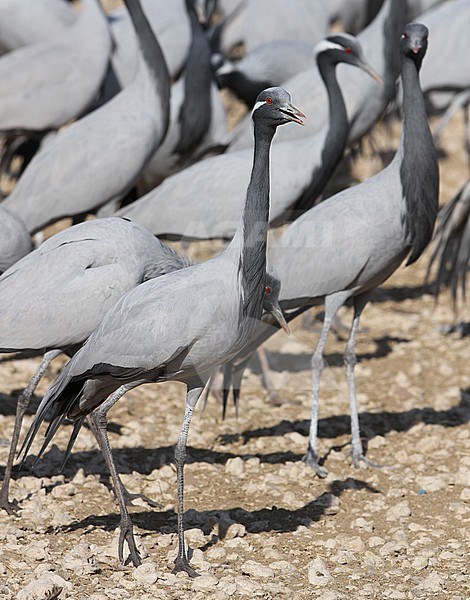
x: 452, y: 244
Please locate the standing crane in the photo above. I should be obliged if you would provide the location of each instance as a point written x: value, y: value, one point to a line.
x: 339, y: 251
x: 176, y: 327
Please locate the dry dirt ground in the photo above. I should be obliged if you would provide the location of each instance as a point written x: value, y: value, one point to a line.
x: 260, y: 524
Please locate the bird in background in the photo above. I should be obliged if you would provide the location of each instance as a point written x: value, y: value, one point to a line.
x: 204, y: 200
x: 177, y: 327
x: 99, y: 157
x: 46, y: 84
x: 339, y: 251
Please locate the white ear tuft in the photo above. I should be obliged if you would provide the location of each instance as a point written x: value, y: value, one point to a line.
x: 325, y: 45
x: 256, y: 106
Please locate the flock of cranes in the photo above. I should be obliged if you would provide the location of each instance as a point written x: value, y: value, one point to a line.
x: 121, y: 102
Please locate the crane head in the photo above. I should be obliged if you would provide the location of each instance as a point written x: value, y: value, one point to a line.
x: 271, y: 299
x: 344, y: 48
x: 273, y: 106
x: 414, y: 41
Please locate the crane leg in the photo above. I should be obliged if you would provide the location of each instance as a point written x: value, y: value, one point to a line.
x: 332, y: 305
x: 128, y: 496
x: 350, y: 361
x: 181, y: 562
x: 274, y: 398
x: 99, y: 418
x: 21, y: 407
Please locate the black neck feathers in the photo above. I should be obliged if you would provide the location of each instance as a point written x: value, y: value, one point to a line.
x: 419, y: 170
x: 153, y: 57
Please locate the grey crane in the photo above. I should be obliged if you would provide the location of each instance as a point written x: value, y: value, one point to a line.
x: 343, y: 248
x: 177, y: 327
x: 30, y: 21
x: 57, y: 295
x: 48, y: 83
x: 192, y: 204
x: 15, y: 240
x: 98, y: 158
x: 365, y: 99
x: 451, y: 249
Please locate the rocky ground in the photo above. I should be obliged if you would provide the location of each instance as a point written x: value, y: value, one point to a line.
x: 260, y: 524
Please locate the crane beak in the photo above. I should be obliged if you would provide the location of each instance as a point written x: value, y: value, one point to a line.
x: 279, y: 316
x: 365, y: 66
x: 293, y: 114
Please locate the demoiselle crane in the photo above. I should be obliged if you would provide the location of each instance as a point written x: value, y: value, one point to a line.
x: 177, y: 327
x: 339, y: 251
x: 205, y: 199
x: 56, y: 296
x: 99, y: 158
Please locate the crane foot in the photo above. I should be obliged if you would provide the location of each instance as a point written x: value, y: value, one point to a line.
x: 10, y: 507
x: 127, y: 534
x: 359, y: 458
x: 311, y: 460
x: 182, y: 564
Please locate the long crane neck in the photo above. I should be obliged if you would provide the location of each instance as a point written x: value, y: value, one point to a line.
x: 153, y: 59
x: 338, y: 130
x: 196, y: 110
x: 419, y: 171
x: 392, y: 27
x: 250, y: 238
x: 335, y: 140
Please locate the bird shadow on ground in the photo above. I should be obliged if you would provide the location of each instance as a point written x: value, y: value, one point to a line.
x: 271, y: 519
x: 372, y: 424
x: 146, y: 460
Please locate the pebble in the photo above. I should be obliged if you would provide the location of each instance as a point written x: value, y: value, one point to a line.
x: 432, y: 583
x: 235, y: 466
x: 318, y: 574
x: 256, y: 569
x: 399, y: 511
x: 145, y: 574
x: 465, y: 495
x: 205, y: 582
x: 432, y: 483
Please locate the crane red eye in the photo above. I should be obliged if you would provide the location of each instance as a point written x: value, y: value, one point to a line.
x: 269, y: 100
x: 268, y: 289
x: 348, y: 50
